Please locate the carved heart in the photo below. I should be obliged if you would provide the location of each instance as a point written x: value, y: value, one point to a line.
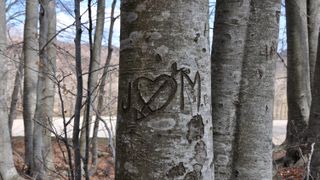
x: 156, y: 94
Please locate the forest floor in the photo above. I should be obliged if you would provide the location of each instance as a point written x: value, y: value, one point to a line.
x: 105, y: 168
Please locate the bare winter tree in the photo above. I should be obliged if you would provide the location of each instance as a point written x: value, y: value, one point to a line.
x: 78, y: 105
x: 7, y: 169
x: 31, y: 63
x: 243, y: 69
x: 101, y: 88
x: 42, y: 157
x: 95, y: 58
x: 164, y: 115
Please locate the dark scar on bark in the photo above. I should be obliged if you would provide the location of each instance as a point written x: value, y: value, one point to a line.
x: 195, y: 174
x: 195, y: 128
x: 176, y: 171
x: 125, y: 108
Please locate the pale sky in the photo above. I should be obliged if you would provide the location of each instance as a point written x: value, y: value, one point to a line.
x: 65, y: 18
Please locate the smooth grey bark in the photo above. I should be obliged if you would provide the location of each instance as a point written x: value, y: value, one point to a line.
x: 229, y: 40
x: 97, y: 55
x: 50, y: 85
x: 94, y: 71
x: 42, y: 157
x: 253, y: 159
x: 15, y: 94
x: 164, y: 127
x: 7, y: 168
x: 31, y: 59
x: 243, y: 72
x: 38, y: 168
x: 313, y: 10
x: 314, y: 121
x: 298, y: 81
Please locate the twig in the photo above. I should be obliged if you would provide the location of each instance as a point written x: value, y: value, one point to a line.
x: 310, y: 156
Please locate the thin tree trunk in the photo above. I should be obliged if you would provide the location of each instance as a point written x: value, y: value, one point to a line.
x: 93, y: 71
x: 30, y: 49
x: 87, y: 118
x: 38, y: 169
x: 42, y: 158
x: 15, y: 95
x: 164, y: 106
x: 231, y: 21
x: 298, y: 81
x: 50, y: 85
x: 7, y: 168
x: 78, y: 105
x: 97, y: 58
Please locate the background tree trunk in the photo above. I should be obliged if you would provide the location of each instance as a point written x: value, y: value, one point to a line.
x: 231, y: 21
x: 50, y: 85
x: 313, y: 10
x: 7, y: 169
x: 298, y: 82
x: 253, y: 158
x: 30, y: 49
x: 15, y: 94
x: 78, y: 105
x: 243, y: 69
x: 314, y: 121
x: 97, y: 58
x: 164, y: 113
x: 42, y: 158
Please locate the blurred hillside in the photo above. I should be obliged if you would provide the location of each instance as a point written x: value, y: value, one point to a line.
x: 280, y: 99
x: 66, y: 69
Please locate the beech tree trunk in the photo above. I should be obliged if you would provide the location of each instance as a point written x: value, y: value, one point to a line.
x: 231, y: 21
x: 314, y: 121
x: 298, y: 81
x: 15, y: 95
x: 42, y: 157
x: 97, y: 56
x: 243, y: 72
x: 313, y: 10
x: 7, y: 168
x: 31, y: 59
x: 164, y: 127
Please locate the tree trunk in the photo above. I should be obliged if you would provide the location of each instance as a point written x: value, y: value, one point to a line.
x: 298, y: 81
x: 15, y: 94
x: 243, y: 69
x: 78, y: 105
x: 314, y: 121
x: 7, y: 169
x: 50, y: 85
x: 229, y: 40
x: 253, y: 158
x: 164, y: 127
x: 97, y: 58
x: 30, y: 49
x: 313, y: 10
x: 42, y: 158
